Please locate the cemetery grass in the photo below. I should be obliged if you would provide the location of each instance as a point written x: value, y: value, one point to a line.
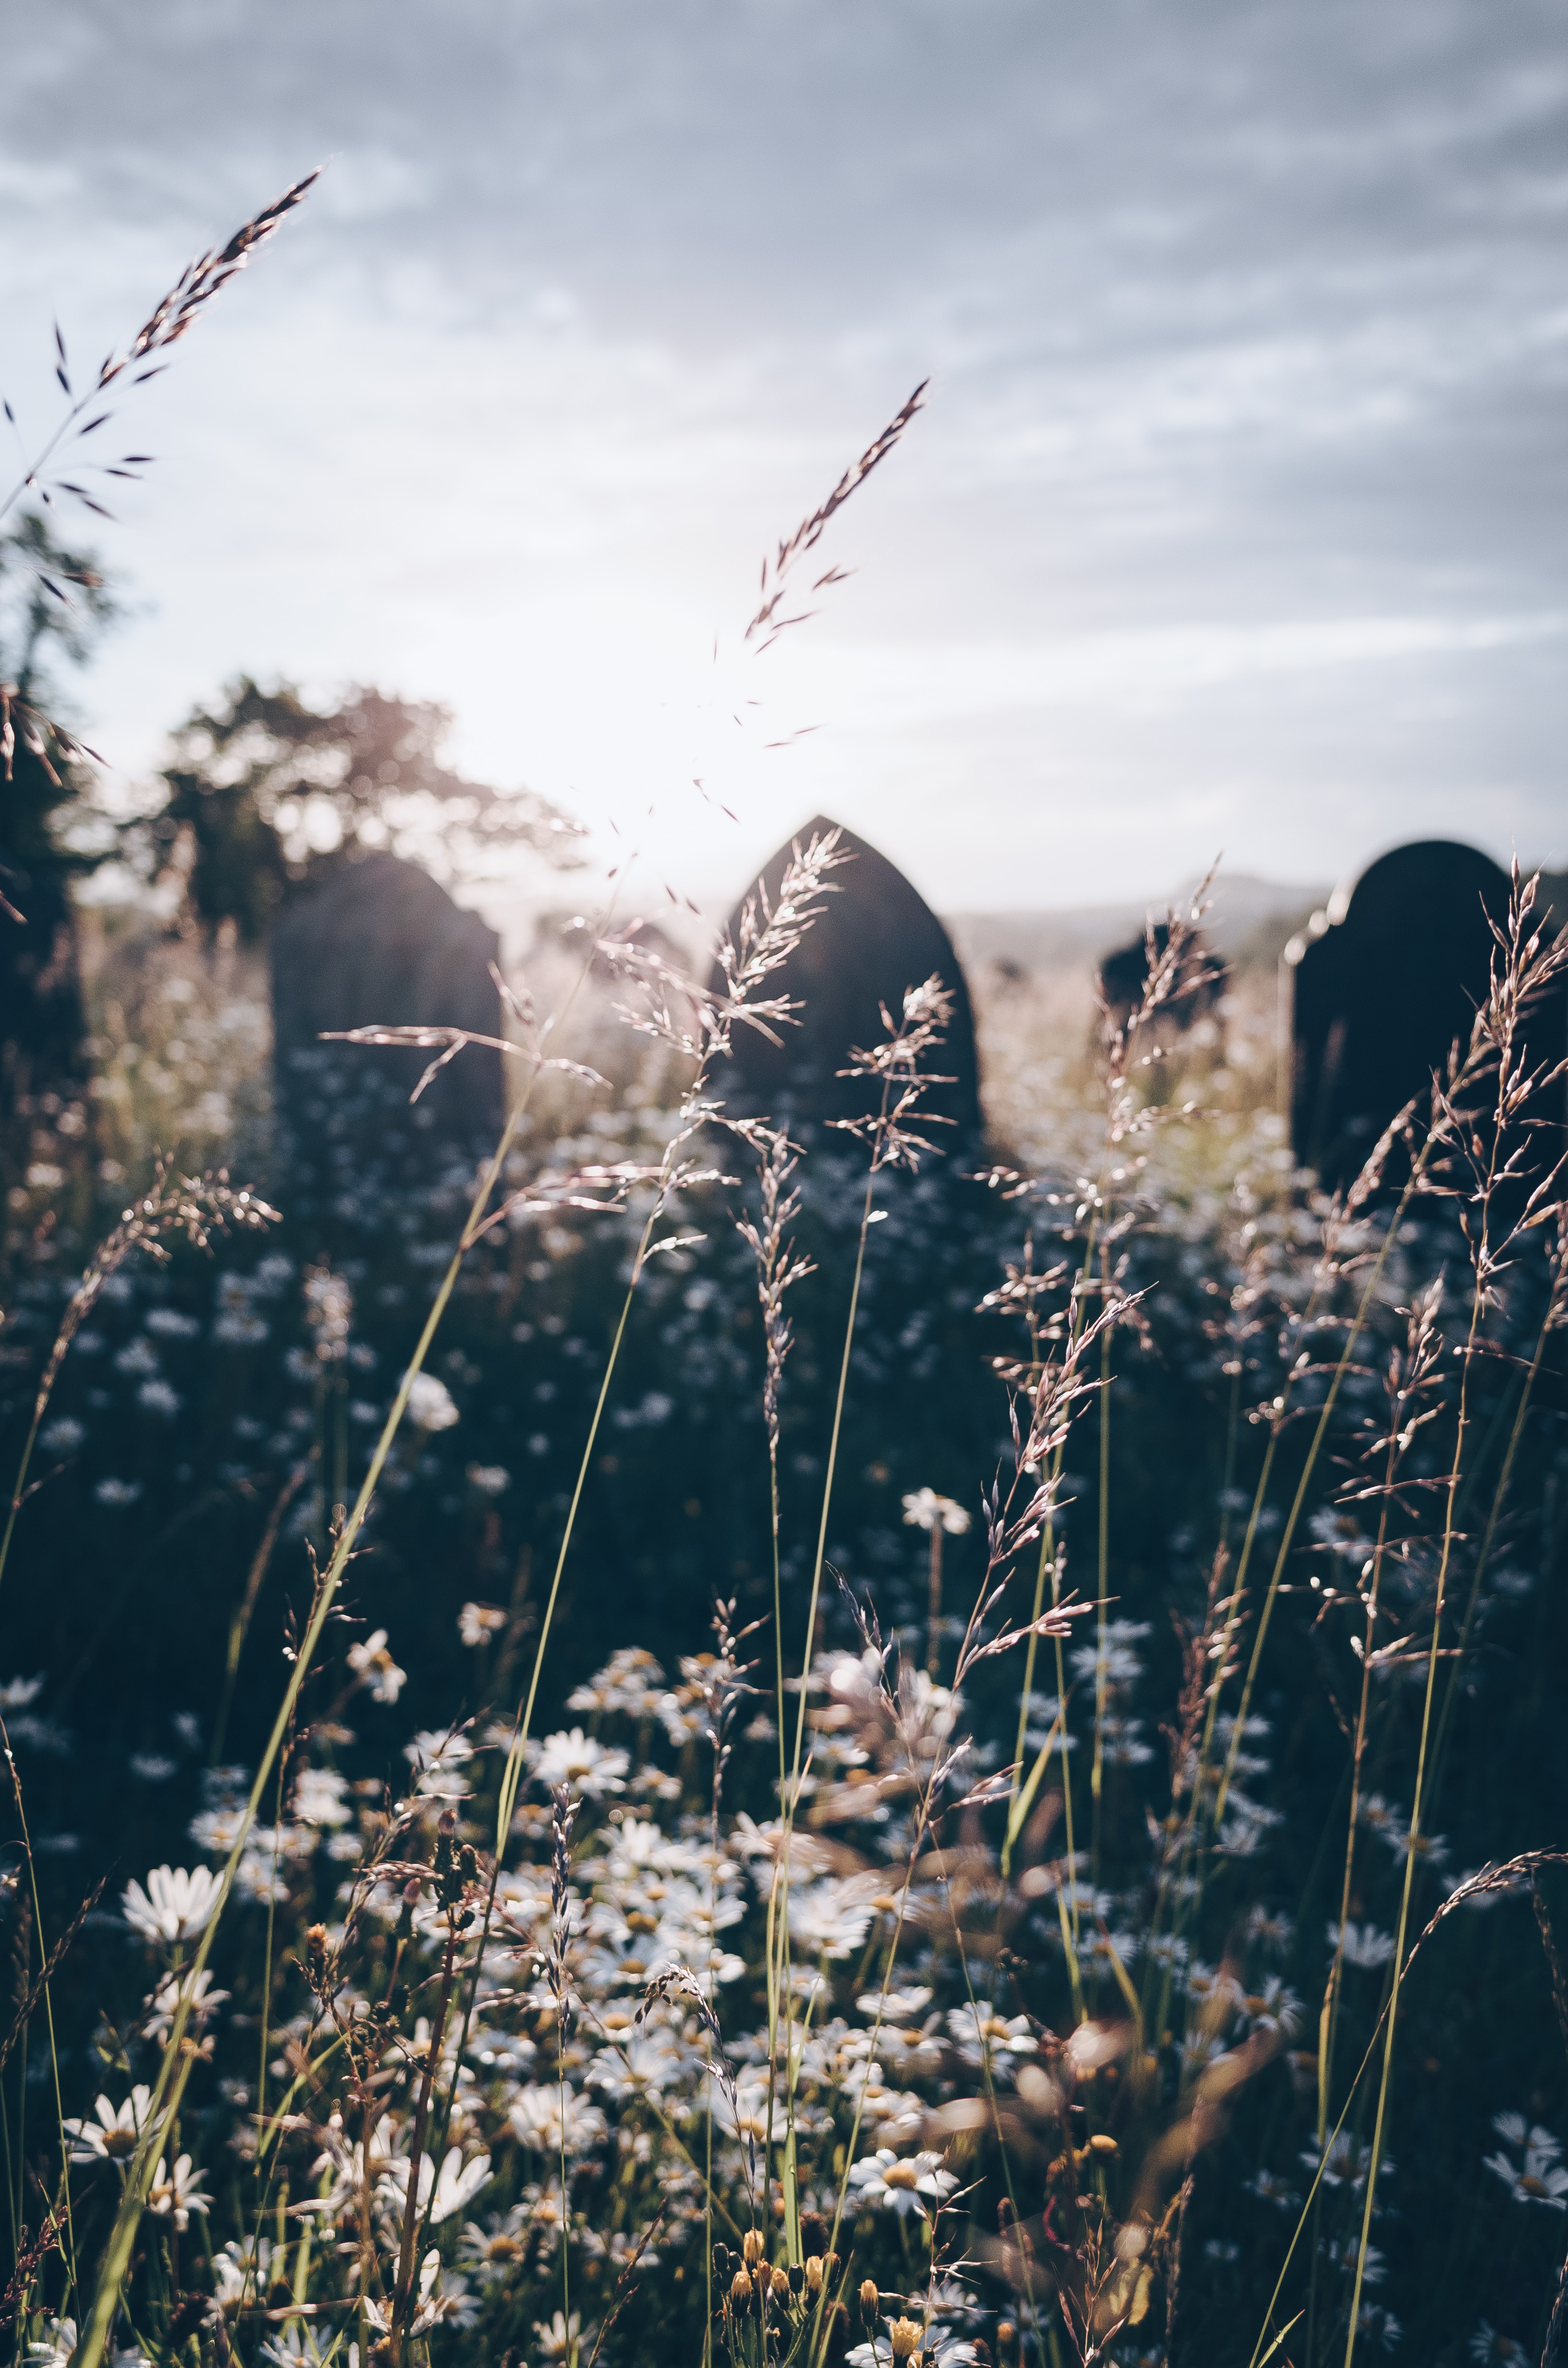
x: 966, y: 1771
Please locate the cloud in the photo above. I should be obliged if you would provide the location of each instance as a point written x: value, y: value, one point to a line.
x: 1239, y: 488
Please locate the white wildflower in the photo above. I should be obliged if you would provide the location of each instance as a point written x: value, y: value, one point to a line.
x: 902, y: 2183
x: 1361, y: 1945
x: 430, y: 1404
x: 923, y: 1509
x: 1538, y: 2176
x: 175, y: 1905
x: 560, y: 2337
x: 477, y: 1623
x: 588, y: 1767
x: 630, y: 1680
x: 1494, y: 2351
x: 54, y: 2347
x: 439, y: 1757
x: 427, y: 2308
x: 178, y: 2194
x: 978, y: 2036
x: 319, y: 1797
x: 194, y: 1991
x: 455, y: 2184
x: 112, y: 2137
x: 374, y: 1667
x: 536, y: 2121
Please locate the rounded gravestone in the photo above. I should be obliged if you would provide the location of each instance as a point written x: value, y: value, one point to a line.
x: 1384, y: 991
x: 1196, y: 993
x: 876, y: 936
x: 381, y: 943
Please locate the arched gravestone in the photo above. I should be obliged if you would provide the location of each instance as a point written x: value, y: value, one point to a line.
x: 1198, y: 994
x: 1385, y: 988
x: 381, y: 943
x: 875, y: 937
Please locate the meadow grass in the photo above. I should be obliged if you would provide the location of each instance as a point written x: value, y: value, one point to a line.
x: 768, y: 2009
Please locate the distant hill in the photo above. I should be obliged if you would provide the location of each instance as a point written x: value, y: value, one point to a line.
x: 1249, y: 919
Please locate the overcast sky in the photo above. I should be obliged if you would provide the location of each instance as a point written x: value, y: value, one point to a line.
x: 1235, y: 521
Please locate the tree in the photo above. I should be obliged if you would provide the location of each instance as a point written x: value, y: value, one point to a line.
x: 267, y: 794
x: 54, y: 605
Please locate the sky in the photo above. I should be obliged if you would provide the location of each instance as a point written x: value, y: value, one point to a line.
x: 1234, y: 524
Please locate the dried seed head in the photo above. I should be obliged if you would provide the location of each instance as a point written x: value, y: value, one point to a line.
x: 813, y: 2275
x: 780, y: 2283
x: 739, y: 2292
x: 906, y: 2338
x: 751, y: 2248
x: 870, y: 2301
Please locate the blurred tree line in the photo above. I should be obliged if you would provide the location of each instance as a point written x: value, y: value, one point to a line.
x: 265, y: 796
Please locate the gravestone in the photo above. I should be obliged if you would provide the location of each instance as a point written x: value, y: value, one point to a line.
x: 1383, y: 987
x: 875, y: 937
x: 381, y: 944
x: 1196, y: 994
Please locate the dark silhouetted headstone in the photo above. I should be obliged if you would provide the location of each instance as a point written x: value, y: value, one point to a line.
x: 1196, y: 995
x: 1384, y: 988
x: 876, y: 936
x: 381, y: 944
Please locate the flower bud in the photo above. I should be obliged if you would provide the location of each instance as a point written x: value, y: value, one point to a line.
x: 869, y: 2299
x: 1101, y: 2145
x: 781, y: 2286
x: 814, y: 2276
x: 751, y: 2248
x: 797, y: 2277
x: 740, y: 2293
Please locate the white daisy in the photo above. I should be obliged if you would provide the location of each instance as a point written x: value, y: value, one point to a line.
x: 176, y: 1905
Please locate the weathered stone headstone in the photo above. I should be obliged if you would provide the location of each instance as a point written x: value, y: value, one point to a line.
x: 1196, y: 994
x: 1383, y: 988
x: 382, y: 944
x: 876, y: 936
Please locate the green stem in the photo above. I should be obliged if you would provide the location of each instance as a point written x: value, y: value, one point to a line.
x: 1483, y: 1558
x: 1411, y: 1850
x: 1097, y: 1773
x: 788, y: 1807
x: 1288, y: 1536
x: 122, y: 2237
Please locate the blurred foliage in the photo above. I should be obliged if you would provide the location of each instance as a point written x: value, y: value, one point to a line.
x: 54, y: 606
x: 204, y: 1402
x: 267, y: 794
